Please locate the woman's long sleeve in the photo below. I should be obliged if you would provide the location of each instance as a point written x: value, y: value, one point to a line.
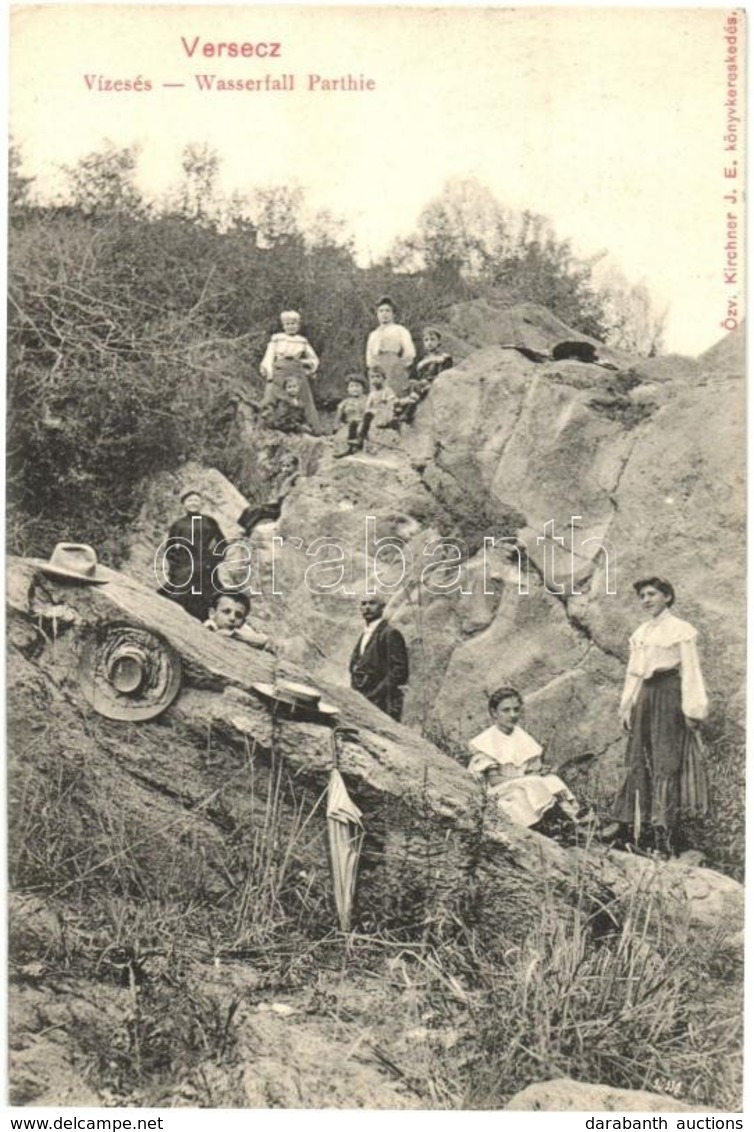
x: 630, y: 692
x: 634, y: 678
x: 408, y: 350
x: 480, y: 765
x: 693, y: 695
x: 372, y: 349
x: 268, y: 360
x: 311, y: 357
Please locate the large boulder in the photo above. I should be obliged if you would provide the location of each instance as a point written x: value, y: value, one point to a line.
x: 135, y: 809
x: 565, y: 1095
x: 559, y: 483
x: 385, y: 763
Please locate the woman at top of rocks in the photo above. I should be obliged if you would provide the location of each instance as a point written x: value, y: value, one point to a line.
x: 289, y: 354
x: 390, y: 347
x: 510, y: 761
x: 663, y: 703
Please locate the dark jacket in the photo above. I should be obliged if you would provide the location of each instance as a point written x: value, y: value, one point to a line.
x: 191, y: 558
x: 191, y: 548
x: 383, y: 668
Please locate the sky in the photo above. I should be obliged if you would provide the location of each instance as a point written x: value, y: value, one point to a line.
x: 610, y: 122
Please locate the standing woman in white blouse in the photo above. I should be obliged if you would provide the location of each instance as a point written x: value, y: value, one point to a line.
x: 662, y: 705
x: 391, y: 347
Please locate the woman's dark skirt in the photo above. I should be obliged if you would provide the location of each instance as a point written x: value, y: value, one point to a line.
x: 282, y: 369
x: 651, y: 791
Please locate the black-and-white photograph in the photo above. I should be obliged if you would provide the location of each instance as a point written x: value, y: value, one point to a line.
x: 376, y: 603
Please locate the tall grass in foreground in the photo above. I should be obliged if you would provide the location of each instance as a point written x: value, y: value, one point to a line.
x: 465, y: 993
x: 140, y: 901
x: 487, y: 1016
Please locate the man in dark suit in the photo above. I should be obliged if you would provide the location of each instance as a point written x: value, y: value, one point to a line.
x: 379, y: 662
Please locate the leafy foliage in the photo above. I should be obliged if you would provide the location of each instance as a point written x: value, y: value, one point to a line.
x: 466, y: 234
x: 134, y: 324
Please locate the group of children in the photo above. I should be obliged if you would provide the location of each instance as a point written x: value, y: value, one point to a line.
x: 388, y: 405
x: 397, y: 382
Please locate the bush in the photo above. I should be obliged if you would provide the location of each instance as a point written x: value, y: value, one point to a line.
x: 133, y: 326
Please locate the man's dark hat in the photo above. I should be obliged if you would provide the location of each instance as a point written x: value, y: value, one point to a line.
x: 574, y: 351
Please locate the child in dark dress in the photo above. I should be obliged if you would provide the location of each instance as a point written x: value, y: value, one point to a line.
x: 194, y: 549
x: 286, y: 412
x: 433, y: 362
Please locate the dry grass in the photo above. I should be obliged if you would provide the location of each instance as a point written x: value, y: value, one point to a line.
x: 463, y: 1004
x: 475, y: 1018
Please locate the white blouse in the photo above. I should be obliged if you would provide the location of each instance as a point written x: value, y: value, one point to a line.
x: 493, y: 748
x: 290, y: 346
x: 661, y: 643
x: 392, y: 338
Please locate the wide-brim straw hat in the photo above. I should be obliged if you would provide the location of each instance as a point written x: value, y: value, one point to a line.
x: 128, y: 673
x: 75, y: 562
x: 297, y: 701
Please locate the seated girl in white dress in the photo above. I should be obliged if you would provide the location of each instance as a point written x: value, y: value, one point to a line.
x: 509, y: 760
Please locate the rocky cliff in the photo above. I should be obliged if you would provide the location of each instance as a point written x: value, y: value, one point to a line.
x: 172, y: 917
x: 591, y: 477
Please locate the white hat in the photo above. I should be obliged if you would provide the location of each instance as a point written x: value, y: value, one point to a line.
x: 128, y: 673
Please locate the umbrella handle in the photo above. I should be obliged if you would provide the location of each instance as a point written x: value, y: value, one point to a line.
x: 335, y: 734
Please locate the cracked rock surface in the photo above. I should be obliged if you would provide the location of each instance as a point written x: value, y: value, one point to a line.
x: 599, y: 476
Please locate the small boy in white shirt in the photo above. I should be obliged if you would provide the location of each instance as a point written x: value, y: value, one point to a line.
x: 380, y: 406
x: 350, y: 414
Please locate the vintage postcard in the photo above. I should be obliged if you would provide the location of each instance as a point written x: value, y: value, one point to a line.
x: 376, y: 562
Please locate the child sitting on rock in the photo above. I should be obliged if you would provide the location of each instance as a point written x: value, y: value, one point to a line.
x: 380, y: 406
x: 286, y: 412
x: 510, y: 762
x: 350, y: 414
x: 227, y: 616
x: 288, y: 474
x: 433, y: 362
